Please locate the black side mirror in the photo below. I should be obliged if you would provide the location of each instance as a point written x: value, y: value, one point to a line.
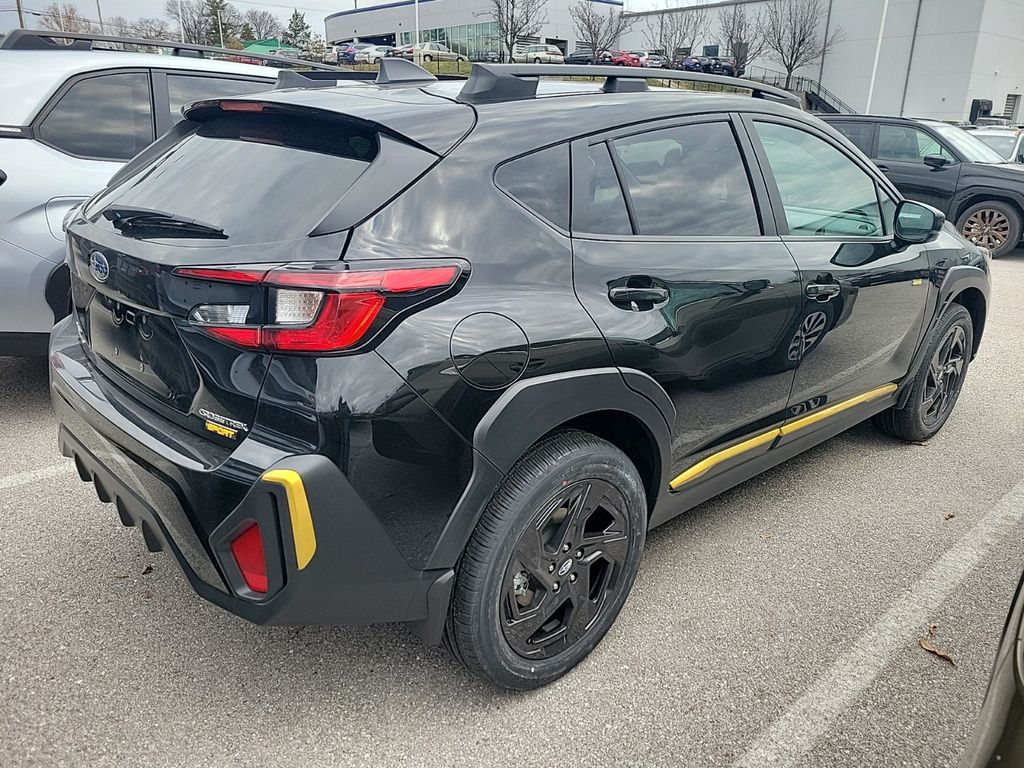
x: 936, y: 161
x: 916, y: 223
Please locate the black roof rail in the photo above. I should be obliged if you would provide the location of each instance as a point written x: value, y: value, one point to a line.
x: 510, y: 82
x: 44, y: 39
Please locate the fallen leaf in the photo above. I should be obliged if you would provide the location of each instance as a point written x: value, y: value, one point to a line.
x: 147, y: 569
x: 147, y: 595
x: 949, y: 516
x: 936, y: 651
x: 918, y: 442
x: 120, y: 575
x: 932, y: 629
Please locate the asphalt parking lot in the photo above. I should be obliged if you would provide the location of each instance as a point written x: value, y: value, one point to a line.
x: 775, y: 625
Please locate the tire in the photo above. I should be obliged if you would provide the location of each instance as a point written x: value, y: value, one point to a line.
x: 427, y: 59
x: 536, y: 61
x: 377, y: 61
x: 921, y: 417
x: 569, y: 485
x: 992, y: 224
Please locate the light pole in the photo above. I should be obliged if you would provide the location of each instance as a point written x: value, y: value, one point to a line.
x: 220, y: 28
x: 99, y: 15
x: 878, y: 53
x: 21, y: 18
x: 181, y: 21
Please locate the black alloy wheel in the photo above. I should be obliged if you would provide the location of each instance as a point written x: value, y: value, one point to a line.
x: 944, y: 376
x: 550, y: 563
x: 564, y: 569
x: 936, y: 385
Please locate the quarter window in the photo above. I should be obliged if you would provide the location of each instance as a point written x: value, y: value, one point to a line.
x: 903, y: 143
x: 184, y: 89
x: 604, y: 209
x: 109, y: 117
x: 823, y: 191
x: 688, y: 180
x: 540, y: 182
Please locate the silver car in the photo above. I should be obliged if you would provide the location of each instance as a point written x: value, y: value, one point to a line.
x: 1008, y: 142
x: 69, y: 119
x: 539, y: 54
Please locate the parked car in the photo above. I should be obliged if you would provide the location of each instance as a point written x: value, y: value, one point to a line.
x: 1008, y: 143
x: 491, y: 57
x: 582, y: 56
x: 621, y: 59
x: 641, y: 56
x: 657, y: 61
x: 430, y: 52
x: 720, y: 66
x: 948, y: 168
x: 349, y: 51
x: 444, y: 401
x: 372, y: 54
x: 70, y: 119
x: 691, y: 64
x: 538, y: 54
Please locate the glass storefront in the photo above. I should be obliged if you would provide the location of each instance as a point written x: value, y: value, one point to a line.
x: 464, y: 39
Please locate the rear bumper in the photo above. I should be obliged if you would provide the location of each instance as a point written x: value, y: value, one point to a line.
x: 192, y: 508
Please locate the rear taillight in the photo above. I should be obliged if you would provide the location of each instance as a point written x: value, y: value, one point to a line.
x: 247, y: 549
x: 304, y: 310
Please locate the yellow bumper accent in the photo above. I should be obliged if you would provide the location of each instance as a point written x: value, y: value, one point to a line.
x: 298, y: 510
x: 702, y: 467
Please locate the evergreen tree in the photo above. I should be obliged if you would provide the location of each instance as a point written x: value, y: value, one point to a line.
x: 298, y: 32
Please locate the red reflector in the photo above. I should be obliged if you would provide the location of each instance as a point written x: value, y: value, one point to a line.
x: 241, y: 106
x: 247, y: 337
x: 343, y: 320
x: 247, y: 549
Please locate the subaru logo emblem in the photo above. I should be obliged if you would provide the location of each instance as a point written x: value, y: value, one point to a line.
x: 99, y: 267
x: 564, y: 569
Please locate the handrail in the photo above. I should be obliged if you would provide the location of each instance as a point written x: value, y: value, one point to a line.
x: 801, y: 83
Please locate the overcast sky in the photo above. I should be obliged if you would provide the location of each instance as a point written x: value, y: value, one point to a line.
x: 315, y: 10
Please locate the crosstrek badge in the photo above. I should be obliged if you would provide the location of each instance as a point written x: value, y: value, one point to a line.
x: 222, y: 425
x: 222, y: 431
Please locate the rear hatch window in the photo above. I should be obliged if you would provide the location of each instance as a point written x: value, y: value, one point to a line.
x: 257, y: 178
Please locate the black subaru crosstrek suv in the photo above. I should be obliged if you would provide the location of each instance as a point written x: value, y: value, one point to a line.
x: 948, y: 168
x: 442, y: 353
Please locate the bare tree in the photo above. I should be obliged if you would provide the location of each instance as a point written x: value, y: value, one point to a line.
x: 742, y: 33
x: 791, y: 38
x: 673, y: 31
x: 263, y: 24
x: 193, y: 20
x: 151, y: 29
x: 64, y: 17
x: 516, y: 19
x: 595, y: 30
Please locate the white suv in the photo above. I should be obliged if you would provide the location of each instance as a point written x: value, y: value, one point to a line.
x: 539, y: 54
x: 69, y: 119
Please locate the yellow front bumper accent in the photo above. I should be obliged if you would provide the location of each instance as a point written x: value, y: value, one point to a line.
x: 298, y: 511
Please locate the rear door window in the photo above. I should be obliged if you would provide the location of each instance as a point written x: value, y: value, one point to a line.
x: 861, y: 134
x: 259, y: 178
x: 108, y: 117
x: 603, y: 207
x: 688, y: 180
x: 904, y: 143
x: 184, y: 89
x: 540, y: 181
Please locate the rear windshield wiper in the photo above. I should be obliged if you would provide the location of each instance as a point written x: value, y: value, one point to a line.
x: 144, y: 223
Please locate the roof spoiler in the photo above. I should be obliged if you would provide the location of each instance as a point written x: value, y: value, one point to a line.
x: 489, y: 83
x: 46, y: 40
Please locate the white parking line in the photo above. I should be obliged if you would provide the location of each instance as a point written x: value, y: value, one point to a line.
x: 32, y: 475
x: 806, y: 720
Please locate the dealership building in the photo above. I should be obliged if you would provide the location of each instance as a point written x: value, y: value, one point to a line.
x: 924, y: 58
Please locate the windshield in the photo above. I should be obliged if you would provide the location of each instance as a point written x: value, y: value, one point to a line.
x: 1002, y: 144
x: 973, y: 150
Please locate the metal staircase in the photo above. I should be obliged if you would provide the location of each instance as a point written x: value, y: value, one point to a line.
x: 819, y: 98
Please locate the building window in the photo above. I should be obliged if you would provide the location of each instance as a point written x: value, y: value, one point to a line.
x: 711, y: 50
x: 464, y: 39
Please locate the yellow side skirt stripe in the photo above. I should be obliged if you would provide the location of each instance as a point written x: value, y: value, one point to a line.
x: 703, y: 466
x: 298, y: 510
